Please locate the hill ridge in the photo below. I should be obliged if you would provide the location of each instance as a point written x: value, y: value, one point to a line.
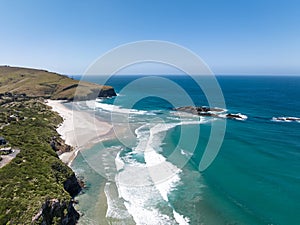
x: 42, y: 83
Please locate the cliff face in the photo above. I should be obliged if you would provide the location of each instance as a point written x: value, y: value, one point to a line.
x: 110, y: 92
x: 93, y: 94
x: 55, y: 212
x: 58, y: 212
x: 72, y: 186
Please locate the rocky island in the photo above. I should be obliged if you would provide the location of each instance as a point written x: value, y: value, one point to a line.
x: 200, y: 110
x: 211, y: 112
x: 36, y: 187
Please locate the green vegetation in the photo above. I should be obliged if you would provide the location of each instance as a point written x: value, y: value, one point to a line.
x: 36, y: 174
x: 41, y: 83
x: 36, y: 178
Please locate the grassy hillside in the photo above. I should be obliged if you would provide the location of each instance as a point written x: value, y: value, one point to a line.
x: 46, y: 84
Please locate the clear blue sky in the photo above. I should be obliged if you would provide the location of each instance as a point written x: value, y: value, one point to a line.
x: 231, y: 36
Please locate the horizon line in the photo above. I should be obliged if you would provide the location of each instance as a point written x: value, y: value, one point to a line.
x: 153, y: 74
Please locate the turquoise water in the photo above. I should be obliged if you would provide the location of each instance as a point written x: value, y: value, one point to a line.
x: 255, y: 178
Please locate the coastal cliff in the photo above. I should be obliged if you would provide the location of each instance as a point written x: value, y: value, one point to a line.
x: 56, y: 211
x: 36, y: 187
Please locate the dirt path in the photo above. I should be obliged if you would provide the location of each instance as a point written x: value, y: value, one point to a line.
x: 7, y: 158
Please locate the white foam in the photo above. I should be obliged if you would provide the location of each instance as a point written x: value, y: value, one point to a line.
x: 111, y: 209
x: 181, y: 220
x: 119, y: 162
x: 286, y: 119
x: 165, y: 187
x: 143, y: 187
x: 146, y: 216
x: 182, y: 114
x: 99, y: 99
x: 164, y: 174
x: 141, y: 196
x: 186, y: 153
x: 242, y: 117
x: 118, y: 109
x: 137, y: 185
x: 142, y: 134
x: 91, y: 104
x: 115, y: 207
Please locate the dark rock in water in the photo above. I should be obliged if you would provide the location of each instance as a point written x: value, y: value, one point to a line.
x: 72, y: 186
x: 234, y: 116
x: 287, y: 119
x: 188, y: 109
x: 292, y: 119
x: 211, y: 112
x: 206, y: 114
x: 200, y: 110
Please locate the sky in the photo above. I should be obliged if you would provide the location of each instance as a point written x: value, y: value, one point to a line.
x: 231, y: 36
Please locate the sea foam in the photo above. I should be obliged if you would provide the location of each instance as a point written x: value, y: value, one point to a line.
x: 118, y: 109
x: 286, y: 119
x: 144, y: 185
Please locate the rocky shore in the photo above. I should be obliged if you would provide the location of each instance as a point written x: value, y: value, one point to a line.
x: 63, y: 210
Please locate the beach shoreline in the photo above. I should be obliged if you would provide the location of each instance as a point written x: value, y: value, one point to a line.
x: 80, y: 130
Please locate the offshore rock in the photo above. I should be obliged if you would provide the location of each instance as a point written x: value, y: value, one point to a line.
x: 200, y: 110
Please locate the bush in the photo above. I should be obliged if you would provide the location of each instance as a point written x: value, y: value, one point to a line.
x: 36, y: 173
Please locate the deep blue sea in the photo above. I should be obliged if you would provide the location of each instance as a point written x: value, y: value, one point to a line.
x: 150, y: 173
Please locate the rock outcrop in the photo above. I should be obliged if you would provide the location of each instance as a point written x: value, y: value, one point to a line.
x: 200, y: 110
x: 211, y: 112
x: 58, y: 145
x: 63, y: 213
x: 234, y: 116
x: 72, y: 186
x: 105, y: 93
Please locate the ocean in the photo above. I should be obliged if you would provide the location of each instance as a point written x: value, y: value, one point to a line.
x: 149, y: 173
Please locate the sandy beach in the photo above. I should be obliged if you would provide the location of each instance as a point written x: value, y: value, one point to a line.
x: 79, y: 129
x: 82, y: 130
